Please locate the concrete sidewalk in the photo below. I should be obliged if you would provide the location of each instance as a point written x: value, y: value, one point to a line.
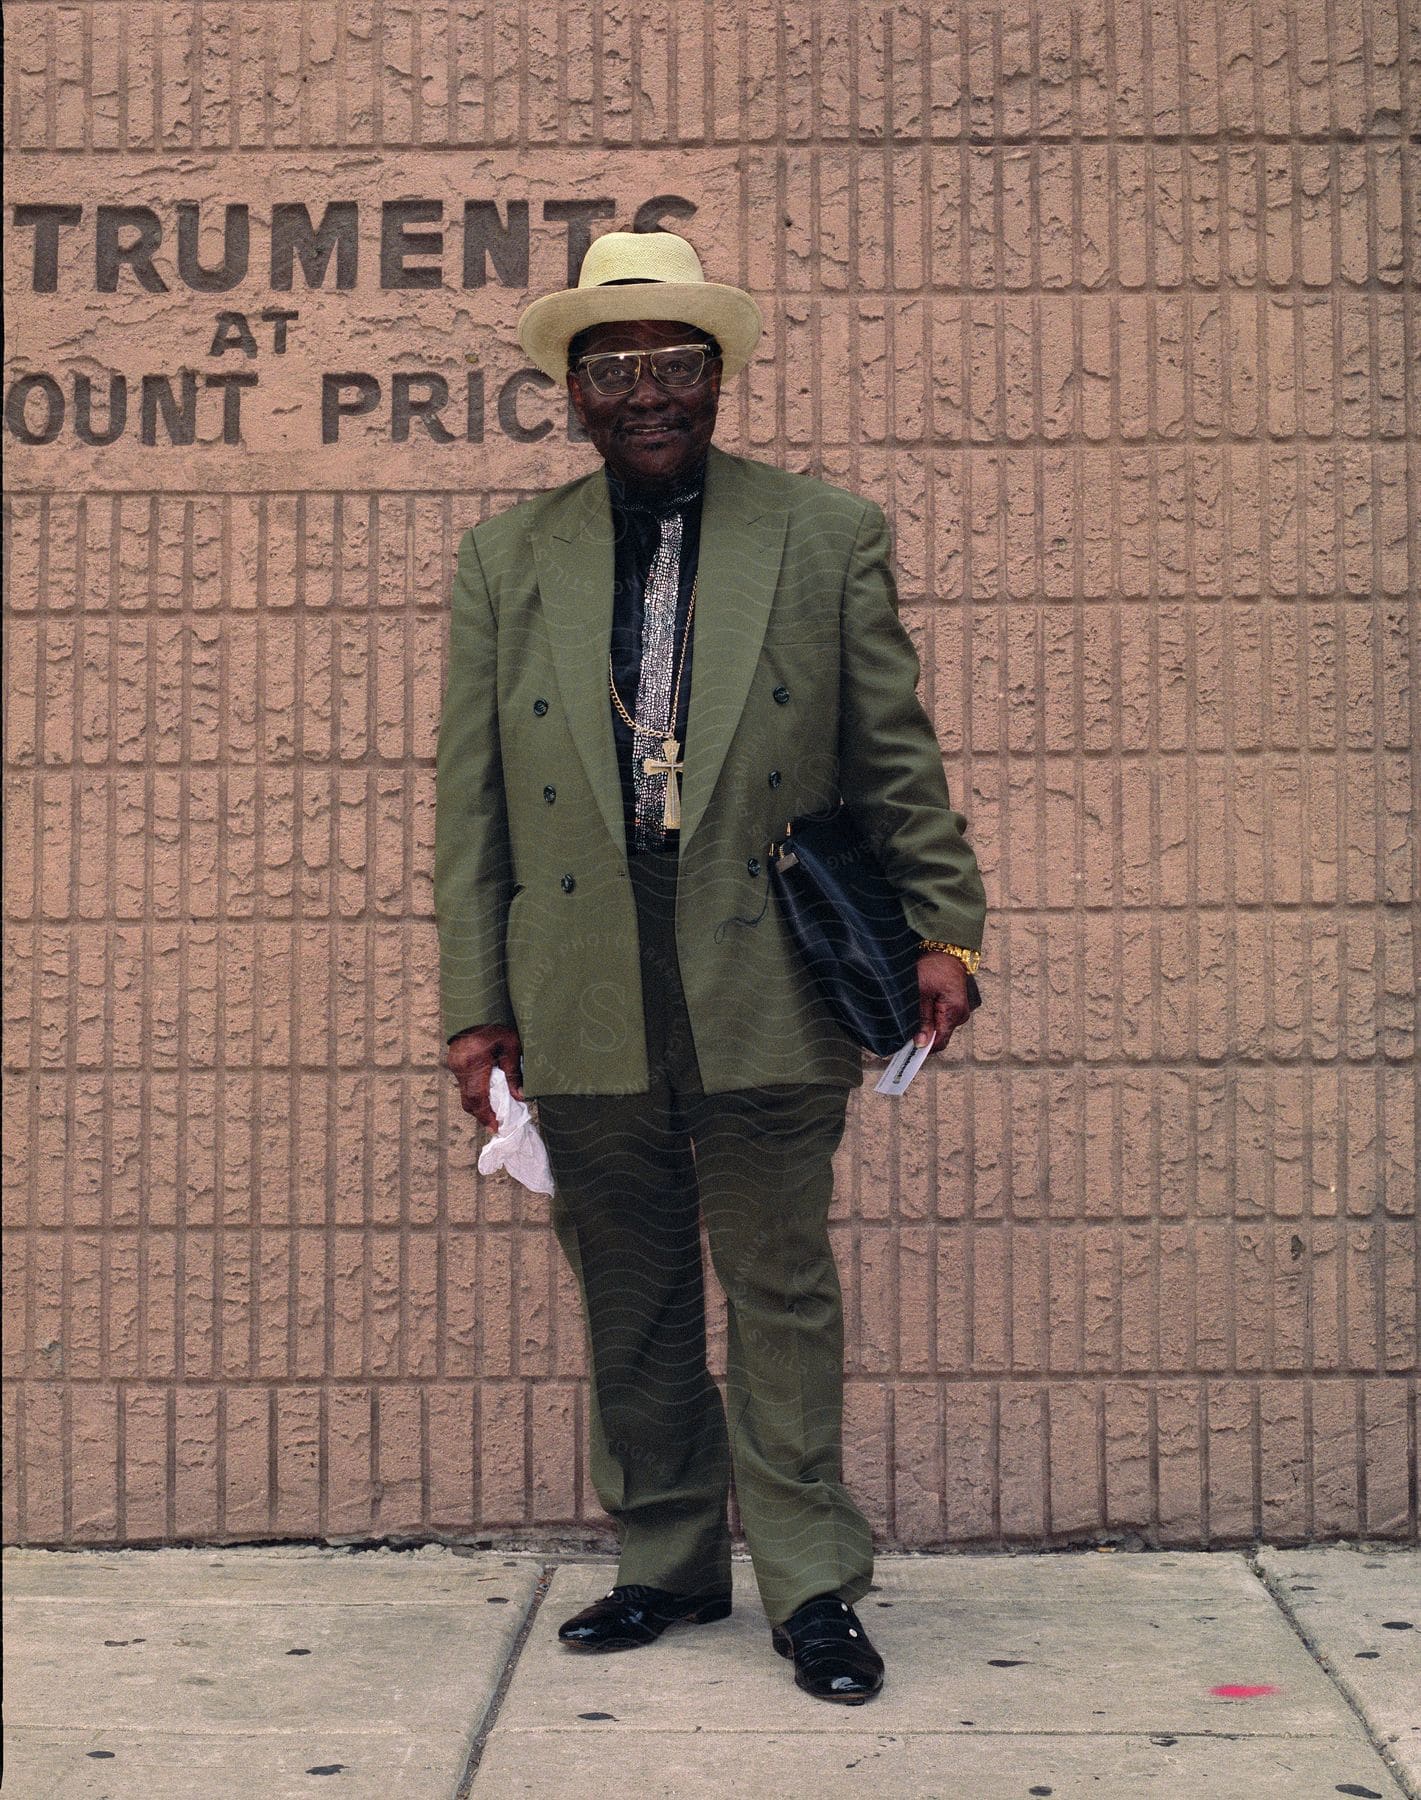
x: 274, y: 1672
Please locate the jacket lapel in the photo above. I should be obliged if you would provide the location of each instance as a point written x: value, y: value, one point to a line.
x: 575, y: 573
x: 742, y: 542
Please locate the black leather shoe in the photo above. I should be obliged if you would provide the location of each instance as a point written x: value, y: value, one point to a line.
x: 627, y: 1617
x: 833, y: 1659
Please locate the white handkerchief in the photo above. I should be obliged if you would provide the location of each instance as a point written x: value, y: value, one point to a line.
x: 903, y: 1067
x: 516, y: 1146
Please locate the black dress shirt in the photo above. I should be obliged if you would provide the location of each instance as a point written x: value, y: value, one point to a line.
x: 636, y: 531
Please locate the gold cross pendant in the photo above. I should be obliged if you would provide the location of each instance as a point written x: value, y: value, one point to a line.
x: 667, y: 765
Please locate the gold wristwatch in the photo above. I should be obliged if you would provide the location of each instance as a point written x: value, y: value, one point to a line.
x: 971, y: 959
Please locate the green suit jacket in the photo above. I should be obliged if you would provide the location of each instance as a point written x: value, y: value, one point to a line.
x: 803, y: 687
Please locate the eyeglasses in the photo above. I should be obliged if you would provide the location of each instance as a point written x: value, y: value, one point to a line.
x: 618, y: 371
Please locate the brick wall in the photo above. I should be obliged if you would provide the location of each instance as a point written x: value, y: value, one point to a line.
x: 1107, y: 303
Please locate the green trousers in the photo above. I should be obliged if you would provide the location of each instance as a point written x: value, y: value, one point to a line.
x: 634, y: 1175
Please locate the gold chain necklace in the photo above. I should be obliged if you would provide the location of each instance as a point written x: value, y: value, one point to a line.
x: 666, y: 764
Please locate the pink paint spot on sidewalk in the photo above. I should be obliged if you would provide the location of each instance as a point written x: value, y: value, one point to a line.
x: 1237, y: 1691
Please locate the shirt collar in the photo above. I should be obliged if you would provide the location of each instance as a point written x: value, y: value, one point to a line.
x: 627, y: 498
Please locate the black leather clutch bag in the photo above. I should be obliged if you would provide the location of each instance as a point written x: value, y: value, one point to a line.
x: 848, y: 923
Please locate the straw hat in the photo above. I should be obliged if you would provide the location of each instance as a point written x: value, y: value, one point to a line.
x: 663, y: 280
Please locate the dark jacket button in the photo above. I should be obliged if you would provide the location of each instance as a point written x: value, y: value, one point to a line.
x: 774, y: 778
x: 540, y: 707
x: 781, y: 696
x: 550, y: 794
x: 568, y: 884
x: 752, y: 867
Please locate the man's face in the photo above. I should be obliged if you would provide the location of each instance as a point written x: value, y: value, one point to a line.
x: 653, y: 435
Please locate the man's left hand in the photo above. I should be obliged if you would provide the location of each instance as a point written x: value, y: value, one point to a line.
x: 942, y: 998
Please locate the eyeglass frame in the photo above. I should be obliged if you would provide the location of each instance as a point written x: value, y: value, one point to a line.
x: 710, y: 355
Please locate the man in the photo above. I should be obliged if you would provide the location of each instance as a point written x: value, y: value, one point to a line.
x: 651, y: 670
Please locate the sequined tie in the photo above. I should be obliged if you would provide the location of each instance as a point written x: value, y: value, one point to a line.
x: 655, y: 702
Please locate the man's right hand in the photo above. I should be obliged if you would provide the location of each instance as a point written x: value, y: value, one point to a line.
x: 471, y: 1058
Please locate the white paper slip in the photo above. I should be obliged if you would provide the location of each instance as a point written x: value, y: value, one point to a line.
x: 903, y: 1067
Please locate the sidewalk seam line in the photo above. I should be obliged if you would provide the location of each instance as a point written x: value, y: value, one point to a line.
x: 469, y: 1773
x: 1291, y: 1736
x: 1278, y: 1597
x: 203, y: 1601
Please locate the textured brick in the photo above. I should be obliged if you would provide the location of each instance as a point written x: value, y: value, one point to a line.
x: 401, y: 1462
x: 349, y: 1438
x: 1023, y: 1460
x: 195, y: 1464
x: 1385, y: 1423
x: 1232, y: 1496
x: 969, y: 1439
x: 90, y: 1456
x: 247, y: 1502
x: 11, y: 1452
x: 1106, y: 305
x: 296, y: 1449
x: 145, y: 1465
x: 866, y: 1449
x: 918, y: 1451
x: 1283, y: 1471
x: 1335, y: 1412
x: 1128, y: 1457
x: 451, y: 1454
x: 1075, y: 1447
x: 552, y: 1429
x: 501, y: 1449
x: 44, y: 1498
